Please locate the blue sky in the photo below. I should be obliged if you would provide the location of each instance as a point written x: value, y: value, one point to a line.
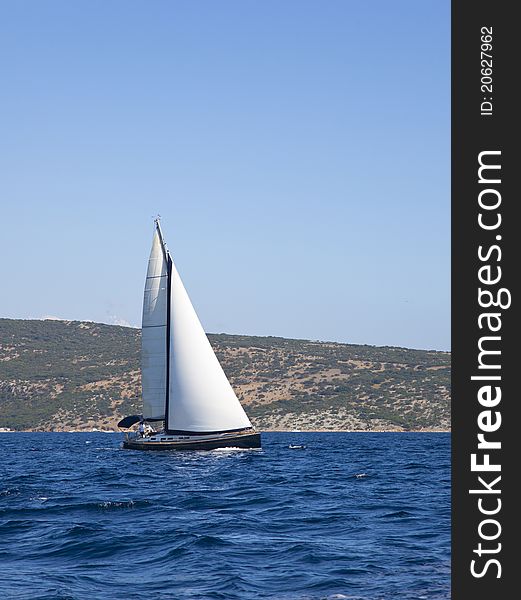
x: 298, y: 152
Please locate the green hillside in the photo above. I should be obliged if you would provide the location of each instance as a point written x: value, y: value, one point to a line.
x: 65, y: 375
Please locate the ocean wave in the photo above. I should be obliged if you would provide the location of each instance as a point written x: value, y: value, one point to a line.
x: 95, y: 522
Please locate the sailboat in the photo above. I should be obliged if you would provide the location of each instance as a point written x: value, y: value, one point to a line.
x: 188, y: 402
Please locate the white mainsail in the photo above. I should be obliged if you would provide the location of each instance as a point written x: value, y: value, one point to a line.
x: 153, y: 333
x: 199, y: 396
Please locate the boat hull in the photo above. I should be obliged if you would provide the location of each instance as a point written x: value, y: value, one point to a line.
x: 248, y: 440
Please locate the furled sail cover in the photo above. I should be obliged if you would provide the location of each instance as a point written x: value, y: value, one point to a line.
x: 153, y: 333
x: 201, y: 397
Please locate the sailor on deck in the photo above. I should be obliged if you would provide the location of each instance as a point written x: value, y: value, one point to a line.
x: 141, y: 428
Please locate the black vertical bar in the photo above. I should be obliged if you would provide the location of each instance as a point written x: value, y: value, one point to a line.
x: 168, y: 301
x: 483, y: 120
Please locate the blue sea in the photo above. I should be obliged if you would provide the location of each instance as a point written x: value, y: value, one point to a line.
x: 310, y: 516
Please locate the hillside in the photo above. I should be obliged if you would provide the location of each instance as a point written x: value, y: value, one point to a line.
x: 71, y: 375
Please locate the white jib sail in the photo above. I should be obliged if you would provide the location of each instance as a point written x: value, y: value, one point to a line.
x: 201, y: 397
x: 153, y: 334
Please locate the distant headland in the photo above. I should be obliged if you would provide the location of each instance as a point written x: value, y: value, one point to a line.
x: 80, y: 376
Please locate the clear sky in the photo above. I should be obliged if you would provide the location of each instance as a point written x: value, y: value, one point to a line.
x: 297, y: 150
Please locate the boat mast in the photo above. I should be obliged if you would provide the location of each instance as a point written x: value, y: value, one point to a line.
x: 168, y: 260
x: 157, y: 223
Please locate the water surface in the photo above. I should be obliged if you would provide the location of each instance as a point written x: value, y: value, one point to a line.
x: 363, y: 516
